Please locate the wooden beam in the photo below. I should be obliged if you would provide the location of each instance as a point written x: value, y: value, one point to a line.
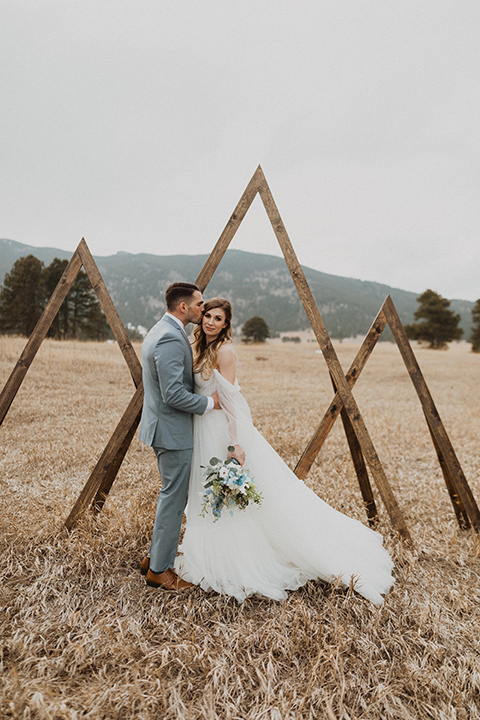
x: 111, y: 473
x: 459, y: 510
x: 229, y: 231
x: 111, y: 313
x: 461, y: 494
x: 320, y: 435
x: 332, y: 361
x: 112, y: 452
x: 16, y: 378
x: 360, y: 467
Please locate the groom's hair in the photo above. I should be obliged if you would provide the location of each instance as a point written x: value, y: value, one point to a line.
x: 179, y: 292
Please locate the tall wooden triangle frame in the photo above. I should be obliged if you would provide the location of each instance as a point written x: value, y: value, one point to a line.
x: 361, y: 446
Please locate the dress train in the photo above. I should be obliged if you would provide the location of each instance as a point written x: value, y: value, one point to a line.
x: 292, y: 537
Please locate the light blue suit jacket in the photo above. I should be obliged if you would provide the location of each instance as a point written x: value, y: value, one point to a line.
x: 169, y: 401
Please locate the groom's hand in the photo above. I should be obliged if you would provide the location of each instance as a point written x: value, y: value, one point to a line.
x: 216, y: 403
x: 238, y: 454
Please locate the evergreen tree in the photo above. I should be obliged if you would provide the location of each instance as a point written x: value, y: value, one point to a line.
x: 52, y: 274
x: 94, y: 324
x: 26, y: 291
x: 81, y: 300
x: 80, y: 315
x: 439, y: 324
x: 22, y: 297
x: 475, y: 336
x: 255, y: 330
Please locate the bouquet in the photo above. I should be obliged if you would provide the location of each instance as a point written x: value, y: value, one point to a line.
x: 227, y: 484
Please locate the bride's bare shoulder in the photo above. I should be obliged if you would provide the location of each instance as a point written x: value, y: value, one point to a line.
x: 226, y: 362
x: 226, y: 352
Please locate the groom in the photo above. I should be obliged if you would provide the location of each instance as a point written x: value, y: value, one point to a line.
x: 167, y: 425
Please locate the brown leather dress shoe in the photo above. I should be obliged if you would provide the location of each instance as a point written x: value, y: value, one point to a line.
x: 145, y: 564
x: 167, y: 580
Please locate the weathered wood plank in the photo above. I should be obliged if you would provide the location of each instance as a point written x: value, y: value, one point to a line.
x: 111, y: 313
x: 108, y: 458
x: 109, y: 477
x: 320, y: 435
x: 442, y: 440
x: 332, y: 361
x: 459, y: 510
x: 229, y: 231
x: 360, y: 469
x: 17, y: 375
x: 359, y: 466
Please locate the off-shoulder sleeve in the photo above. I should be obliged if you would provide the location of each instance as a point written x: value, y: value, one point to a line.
x: 233, y: 405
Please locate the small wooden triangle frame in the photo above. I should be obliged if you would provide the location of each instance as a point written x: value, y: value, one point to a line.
x: 463, y: 502
x: 361, y: 446
x: 106, y: 469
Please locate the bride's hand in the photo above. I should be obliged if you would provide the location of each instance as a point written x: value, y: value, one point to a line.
x: 238, y: 454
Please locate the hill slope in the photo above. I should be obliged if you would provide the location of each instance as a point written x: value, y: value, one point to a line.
x: 256, y: 284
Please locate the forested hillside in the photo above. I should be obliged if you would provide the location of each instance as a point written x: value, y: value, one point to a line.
x: 256, y: 284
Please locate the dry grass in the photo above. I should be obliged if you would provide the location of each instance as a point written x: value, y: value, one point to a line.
x: 84, y: 638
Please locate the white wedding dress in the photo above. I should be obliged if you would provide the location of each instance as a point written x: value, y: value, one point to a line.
x: 292, y: 537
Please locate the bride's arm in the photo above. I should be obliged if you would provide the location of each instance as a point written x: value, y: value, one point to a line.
x: 226, y: 367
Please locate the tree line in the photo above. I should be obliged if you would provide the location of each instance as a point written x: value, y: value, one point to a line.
x: 26, y: 290
x: 29, y: 285
x: 438, y: 325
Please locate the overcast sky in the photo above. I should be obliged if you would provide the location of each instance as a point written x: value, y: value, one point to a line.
x: 138, y: 125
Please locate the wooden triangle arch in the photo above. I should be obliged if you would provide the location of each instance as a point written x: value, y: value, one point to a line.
x: 107, y: 466
x: 361, y: 446
x: 464, y: 504
x: 97, y: 489
x: 360, y: 443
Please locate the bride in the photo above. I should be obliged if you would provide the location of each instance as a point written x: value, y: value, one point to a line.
x: 292, y: 536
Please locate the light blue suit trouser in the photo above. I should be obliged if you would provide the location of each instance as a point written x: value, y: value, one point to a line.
x: 174, y: 467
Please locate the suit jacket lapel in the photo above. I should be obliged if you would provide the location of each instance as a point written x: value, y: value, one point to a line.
x: 182, y: 332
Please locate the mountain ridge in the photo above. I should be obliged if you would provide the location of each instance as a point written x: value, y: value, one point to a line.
x: 256, y: 284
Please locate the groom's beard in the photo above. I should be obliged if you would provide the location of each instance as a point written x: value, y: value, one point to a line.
x: 195, y: 320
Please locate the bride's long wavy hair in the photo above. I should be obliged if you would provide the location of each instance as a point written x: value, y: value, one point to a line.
x: 204, y: 355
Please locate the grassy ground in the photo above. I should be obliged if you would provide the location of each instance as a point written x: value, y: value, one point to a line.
x: 82, y: 636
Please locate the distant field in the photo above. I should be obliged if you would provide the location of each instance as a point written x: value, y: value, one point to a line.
x: 84, y: 638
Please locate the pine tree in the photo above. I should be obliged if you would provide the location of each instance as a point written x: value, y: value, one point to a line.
x: 440, y: 324
x: 255, y: 330
x: 22, y: 297
x: 80, y: 315
x: 52, y: 275
x: 81, y: 298
x: 475, y: 336
x: 95, y: 325
x: 27, y: 289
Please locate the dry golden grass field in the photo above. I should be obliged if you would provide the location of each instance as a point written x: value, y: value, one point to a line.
x: 83, y: 637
